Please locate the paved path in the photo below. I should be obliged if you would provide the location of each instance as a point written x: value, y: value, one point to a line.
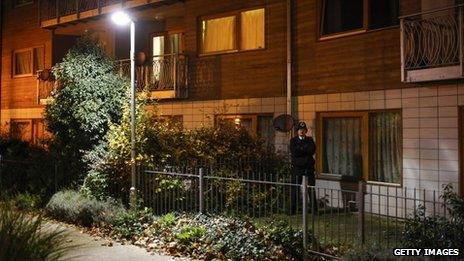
x: 95, y: 248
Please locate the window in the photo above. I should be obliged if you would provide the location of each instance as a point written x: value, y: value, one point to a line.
x: 27, y: 62
x: 260, y: 126
x: 339, y: 16
x: 235, y: 32
x: 21, y: 130
x: 361, y: 145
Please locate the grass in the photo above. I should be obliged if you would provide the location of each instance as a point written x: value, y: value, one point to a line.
x: 23, y: 237
x: 338, y: 228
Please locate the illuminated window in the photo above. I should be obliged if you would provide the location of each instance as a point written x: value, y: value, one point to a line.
x: 361, y: 145
x: 237, y: 31
x: 27, y: 62
x: 259, y: 126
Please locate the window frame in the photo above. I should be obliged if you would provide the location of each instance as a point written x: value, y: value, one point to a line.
x: 238, y: 31
x: 364, y: 115
x: 31, y: 51
x: 249, y: 116
x: 15, y: 5
x: 28, y: 122
x: 364, y: 29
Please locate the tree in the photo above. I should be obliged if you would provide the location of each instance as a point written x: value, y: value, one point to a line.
x: 89, y: 98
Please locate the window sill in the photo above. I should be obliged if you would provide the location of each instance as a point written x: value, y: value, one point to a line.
x: 23, y: 75
x: 341, y: 178
x: 328, y: 37
x: 230, y: 52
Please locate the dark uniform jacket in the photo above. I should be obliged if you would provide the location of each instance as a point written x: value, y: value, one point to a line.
x: 302, y: 151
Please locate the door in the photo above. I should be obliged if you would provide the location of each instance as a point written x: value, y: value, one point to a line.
x: 165, y: 55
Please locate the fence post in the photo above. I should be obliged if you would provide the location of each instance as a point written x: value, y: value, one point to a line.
x: 361, y: 232
x: 304, y: 197
x: 200, y: 189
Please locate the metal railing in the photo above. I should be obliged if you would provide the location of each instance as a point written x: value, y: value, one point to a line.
x: 51, y: 9
x: 161, y: 73
x: 432, y: 39
x: 371, y: 214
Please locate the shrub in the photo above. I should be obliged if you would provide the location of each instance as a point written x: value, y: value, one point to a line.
x: 26, y: 168
x: 132, y: 223
x: 290, y: 238
x: 422, y: 231
x: 22, y: 238
x: 71, y: 206
x: 95, y: 185
x: 26, y: 202
x: 90, y: 97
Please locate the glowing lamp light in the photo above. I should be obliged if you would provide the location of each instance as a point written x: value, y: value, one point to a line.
x: 121, y: 18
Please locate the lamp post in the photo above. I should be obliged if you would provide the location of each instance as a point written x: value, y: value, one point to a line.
x: 120, y: 18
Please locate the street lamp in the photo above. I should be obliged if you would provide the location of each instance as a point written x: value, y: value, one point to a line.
x: 122, y: 19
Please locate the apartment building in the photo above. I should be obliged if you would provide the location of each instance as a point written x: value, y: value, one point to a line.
x: 379, y: 82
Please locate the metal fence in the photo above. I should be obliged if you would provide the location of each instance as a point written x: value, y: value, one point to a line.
x: 368, y: 214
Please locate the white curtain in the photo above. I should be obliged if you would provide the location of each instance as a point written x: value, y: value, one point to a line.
x: 23, y: 63
x: 219, y: 34
x: 39, y: 58
x: 252, y: 29
x: 385, y: 147
x: 342, y: 152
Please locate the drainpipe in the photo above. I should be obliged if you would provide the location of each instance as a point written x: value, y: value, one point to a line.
x: 289, y: 57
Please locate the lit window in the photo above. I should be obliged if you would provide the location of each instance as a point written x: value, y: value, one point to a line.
x: 238, y: 31
x: 361, y: 145
x: 27, y: 62
x: 259, y: 126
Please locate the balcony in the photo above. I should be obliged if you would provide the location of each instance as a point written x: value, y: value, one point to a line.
x: 56, y: 12
x: 164, y: 76
x: 431, y: 45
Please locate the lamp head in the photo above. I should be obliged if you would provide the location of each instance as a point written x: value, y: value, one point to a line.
x: 120, y: 18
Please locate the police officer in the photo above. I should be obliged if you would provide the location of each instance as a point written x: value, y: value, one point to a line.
x: 302, y: 149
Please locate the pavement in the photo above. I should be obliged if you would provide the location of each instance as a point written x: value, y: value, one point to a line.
x: 92, y: 248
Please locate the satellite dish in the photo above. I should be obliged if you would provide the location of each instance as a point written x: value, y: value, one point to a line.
x: 284, y: 123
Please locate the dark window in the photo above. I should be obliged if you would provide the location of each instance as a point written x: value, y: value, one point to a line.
x: 383, y: 13
x: 347, y: 15
x: 342, y: 15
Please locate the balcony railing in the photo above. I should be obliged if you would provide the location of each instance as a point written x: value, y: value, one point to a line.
x: 165, y: 76
x: 60, y: 10
x: 431, y: 45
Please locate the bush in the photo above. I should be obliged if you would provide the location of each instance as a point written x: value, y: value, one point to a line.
x: 26, y: 202
x: 131, y: 224
x: 26, y: 168
x: 22, y: 238
x: 215, y: 237
x: 95, y: 185
x: 71, y: 206
x: 290, y: 238
x: 422, y: 231
x: 90, y: 97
